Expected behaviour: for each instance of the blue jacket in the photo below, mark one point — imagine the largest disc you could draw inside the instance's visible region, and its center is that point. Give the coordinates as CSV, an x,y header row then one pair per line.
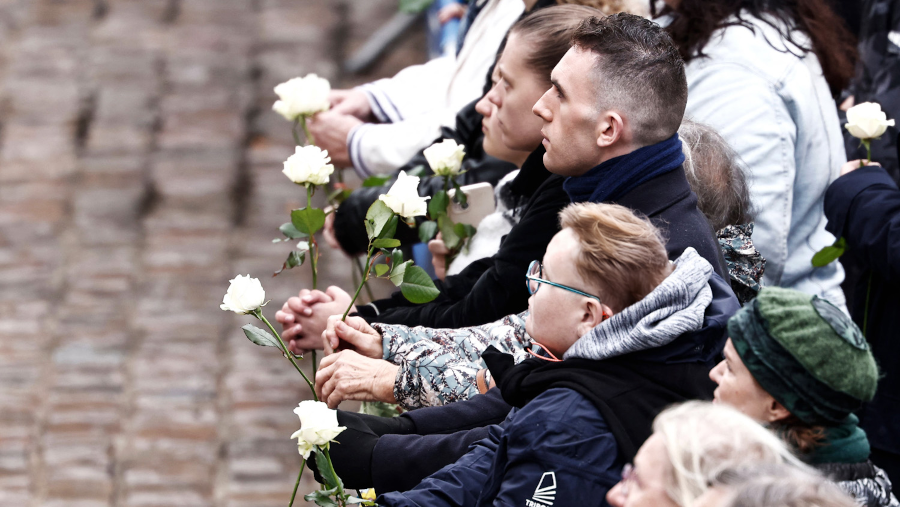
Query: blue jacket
x,y
557,450
863,207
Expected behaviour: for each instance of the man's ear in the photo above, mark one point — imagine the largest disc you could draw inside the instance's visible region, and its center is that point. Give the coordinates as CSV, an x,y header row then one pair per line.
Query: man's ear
x,y
775,411
610,129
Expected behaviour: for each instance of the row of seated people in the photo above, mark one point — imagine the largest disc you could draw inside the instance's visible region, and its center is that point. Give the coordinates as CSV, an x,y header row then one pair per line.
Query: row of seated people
x,y
630,311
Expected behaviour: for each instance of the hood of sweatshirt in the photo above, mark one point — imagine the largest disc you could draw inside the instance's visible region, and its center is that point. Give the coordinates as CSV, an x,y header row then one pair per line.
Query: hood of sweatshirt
x,y
675,307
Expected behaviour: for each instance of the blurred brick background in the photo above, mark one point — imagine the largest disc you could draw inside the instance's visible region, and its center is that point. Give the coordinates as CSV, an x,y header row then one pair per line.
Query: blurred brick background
x,y
139,171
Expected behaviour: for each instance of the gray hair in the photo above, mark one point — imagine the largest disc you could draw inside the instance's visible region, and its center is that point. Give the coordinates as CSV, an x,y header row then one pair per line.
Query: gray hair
x,y
715,174
787,486
702,440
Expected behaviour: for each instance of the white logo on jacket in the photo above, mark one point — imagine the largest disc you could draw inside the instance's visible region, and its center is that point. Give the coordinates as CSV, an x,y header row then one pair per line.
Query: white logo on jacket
x,y
544,494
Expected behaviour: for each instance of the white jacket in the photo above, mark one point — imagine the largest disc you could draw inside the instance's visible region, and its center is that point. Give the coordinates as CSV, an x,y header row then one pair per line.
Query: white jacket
x,y
420,99
775,109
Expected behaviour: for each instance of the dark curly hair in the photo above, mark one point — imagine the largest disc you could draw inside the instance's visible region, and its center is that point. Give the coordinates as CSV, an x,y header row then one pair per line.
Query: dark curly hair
x,y
694,22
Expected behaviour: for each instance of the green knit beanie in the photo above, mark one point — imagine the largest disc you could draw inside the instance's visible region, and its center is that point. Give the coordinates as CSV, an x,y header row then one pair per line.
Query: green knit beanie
x,y
806,353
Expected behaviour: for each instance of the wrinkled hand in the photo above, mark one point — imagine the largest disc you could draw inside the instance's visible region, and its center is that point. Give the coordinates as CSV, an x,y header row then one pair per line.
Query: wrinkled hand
x,y
355,334
350,376
303,318
330,129
853,165
352,102
439,253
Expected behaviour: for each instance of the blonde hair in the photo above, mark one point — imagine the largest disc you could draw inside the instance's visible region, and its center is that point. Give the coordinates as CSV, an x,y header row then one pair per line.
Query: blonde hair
x,y
623,254
703,440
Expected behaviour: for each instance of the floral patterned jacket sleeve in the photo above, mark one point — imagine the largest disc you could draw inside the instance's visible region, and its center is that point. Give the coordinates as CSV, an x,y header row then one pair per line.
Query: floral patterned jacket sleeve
x,y
438,366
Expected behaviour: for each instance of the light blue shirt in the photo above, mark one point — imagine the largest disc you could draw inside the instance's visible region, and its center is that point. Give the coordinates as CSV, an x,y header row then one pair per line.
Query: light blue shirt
x,y
775,109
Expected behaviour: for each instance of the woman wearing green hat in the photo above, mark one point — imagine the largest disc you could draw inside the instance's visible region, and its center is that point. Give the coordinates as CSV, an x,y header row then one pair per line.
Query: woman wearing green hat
x,y
798,364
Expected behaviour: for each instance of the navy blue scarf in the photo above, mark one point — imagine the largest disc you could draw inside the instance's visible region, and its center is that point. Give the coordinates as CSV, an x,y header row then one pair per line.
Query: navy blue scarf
x,y
617,176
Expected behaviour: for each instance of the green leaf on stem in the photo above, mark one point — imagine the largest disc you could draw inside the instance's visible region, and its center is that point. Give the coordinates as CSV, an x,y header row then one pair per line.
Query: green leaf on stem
x,y
427,231
459,196
464,230
390,228
322,497
339,195
294,259
448,234
399,272
308,220
377,217
376,181
437,206
332,481
830,253
359,501
291,232
260,336
381,269
417,286
418,170
396,258
386,243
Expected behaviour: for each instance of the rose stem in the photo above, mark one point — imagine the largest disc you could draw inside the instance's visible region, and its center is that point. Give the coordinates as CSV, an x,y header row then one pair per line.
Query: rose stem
x,y
296,134
313,259
365,278
297,484
366,283
309,137
290,356
340,490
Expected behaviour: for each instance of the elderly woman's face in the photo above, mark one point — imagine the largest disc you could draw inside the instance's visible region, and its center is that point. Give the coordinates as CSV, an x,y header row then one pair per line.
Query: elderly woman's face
x,y
645,486
738,388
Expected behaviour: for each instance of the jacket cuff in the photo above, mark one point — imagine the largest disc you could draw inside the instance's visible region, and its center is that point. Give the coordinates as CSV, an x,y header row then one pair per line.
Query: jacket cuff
x,y
354,151
382,106
842,191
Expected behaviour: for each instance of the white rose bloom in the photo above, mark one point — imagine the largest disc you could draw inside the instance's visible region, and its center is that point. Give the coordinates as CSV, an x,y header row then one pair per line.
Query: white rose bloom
x,y
244,295
867,121
445,158
308,164
403,197
302,96
318,426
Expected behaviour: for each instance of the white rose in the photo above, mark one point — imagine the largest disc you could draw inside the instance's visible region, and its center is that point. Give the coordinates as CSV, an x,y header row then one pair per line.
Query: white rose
x,y
308,164
867,121
244,295
445,158
403,197
318,426
302,96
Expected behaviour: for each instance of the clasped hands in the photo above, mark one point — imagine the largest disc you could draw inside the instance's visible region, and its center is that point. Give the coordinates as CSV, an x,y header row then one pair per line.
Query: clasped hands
x,y
353,368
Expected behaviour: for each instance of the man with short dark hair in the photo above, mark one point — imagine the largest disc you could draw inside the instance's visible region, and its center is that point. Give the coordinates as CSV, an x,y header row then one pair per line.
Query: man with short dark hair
x,y
635,96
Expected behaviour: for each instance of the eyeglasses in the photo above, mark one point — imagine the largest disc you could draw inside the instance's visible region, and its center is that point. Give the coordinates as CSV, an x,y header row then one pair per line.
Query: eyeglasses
x,y
533,281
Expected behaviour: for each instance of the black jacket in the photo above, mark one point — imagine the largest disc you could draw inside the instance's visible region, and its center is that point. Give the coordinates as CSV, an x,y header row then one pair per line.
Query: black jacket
x,y
492,288
863,207
627,391
479,166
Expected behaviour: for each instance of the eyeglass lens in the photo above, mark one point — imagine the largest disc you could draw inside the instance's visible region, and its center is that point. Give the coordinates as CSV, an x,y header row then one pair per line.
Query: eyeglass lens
x,y
534,271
